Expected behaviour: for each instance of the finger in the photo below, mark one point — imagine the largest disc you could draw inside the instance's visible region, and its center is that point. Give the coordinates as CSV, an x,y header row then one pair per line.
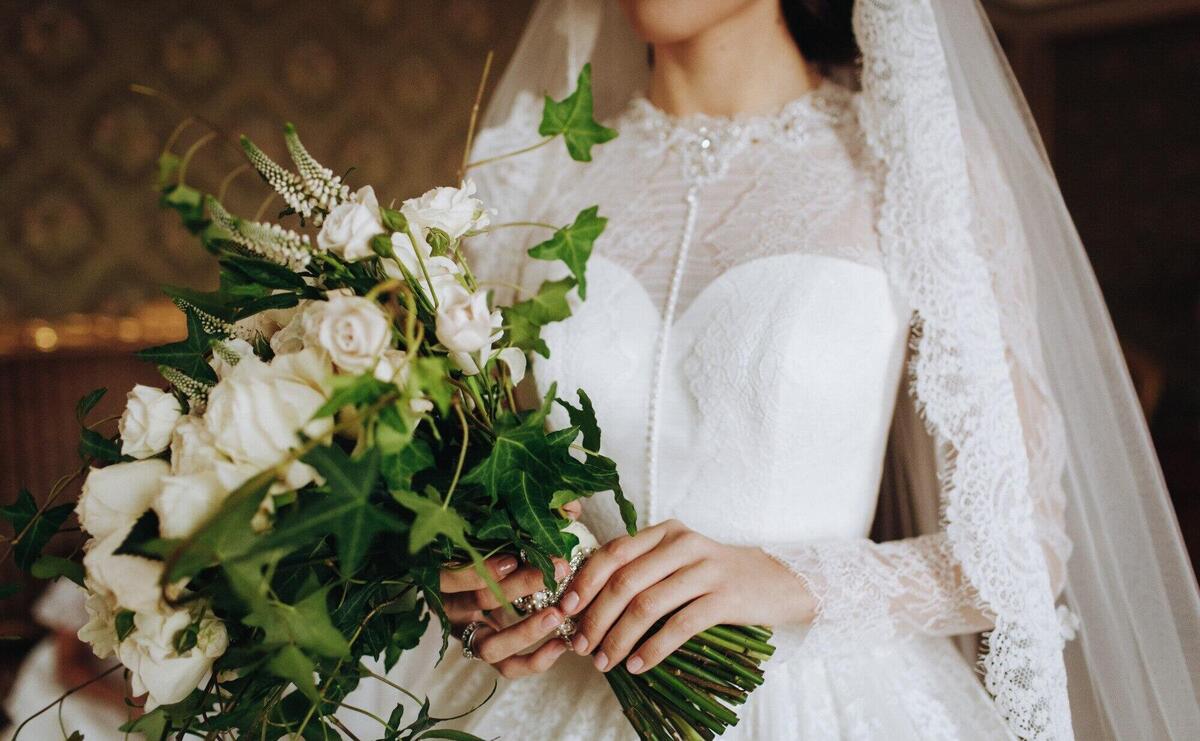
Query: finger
x,y
573,509
603,563
627,583
462,608
494,647
534,663
520,583
646,609
680,628
464,578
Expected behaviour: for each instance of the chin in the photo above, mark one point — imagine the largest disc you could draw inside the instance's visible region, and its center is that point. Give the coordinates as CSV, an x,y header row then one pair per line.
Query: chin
x,y
673,21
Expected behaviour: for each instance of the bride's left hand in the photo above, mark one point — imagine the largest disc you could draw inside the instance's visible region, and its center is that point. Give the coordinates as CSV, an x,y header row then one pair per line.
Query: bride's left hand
x,y
632,582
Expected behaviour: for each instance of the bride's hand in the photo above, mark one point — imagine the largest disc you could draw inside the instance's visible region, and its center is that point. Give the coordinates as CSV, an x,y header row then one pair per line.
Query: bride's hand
x,y
632,582
466,599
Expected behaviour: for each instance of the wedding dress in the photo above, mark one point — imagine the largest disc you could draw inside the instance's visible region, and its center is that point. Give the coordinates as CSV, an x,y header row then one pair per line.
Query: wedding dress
x,y
877,290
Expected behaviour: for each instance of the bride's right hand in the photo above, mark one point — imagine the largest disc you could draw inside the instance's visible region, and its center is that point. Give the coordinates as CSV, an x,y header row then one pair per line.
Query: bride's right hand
x,y
467,599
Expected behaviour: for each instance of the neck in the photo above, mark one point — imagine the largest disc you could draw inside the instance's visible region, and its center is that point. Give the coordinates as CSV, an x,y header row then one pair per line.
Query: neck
x,y
746,64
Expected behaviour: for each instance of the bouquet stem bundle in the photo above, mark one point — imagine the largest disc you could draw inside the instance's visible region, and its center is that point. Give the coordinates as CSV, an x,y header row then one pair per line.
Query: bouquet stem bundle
x,y
688,696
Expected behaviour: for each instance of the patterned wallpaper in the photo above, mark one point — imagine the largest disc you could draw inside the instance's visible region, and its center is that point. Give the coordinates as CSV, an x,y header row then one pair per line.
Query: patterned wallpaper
x,y
382,85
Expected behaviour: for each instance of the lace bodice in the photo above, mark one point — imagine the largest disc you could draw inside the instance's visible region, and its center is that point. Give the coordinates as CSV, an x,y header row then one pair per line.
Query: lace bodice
x,y
744,346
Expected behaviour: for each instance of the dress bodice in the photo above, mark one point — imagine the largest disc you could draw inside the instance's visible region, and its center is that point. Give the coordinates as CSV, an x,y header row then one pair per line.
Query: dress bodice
x,y
740,340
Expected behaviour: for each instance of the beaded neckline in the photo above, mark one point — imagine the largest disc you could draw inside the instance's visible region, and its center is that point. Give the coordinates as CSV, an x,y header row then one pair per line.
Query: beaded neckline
x,y
708,142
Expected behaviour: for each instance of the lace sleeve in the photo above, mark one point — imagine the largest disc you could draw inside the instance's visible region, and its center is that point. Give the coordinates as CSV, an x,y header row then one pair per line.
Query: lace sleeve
x,y
868,591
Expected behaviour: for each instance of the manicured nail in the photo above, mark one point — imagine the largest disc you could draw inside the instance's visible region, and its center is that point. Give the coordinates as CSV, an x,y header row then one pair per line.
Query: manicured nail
x,y
634,664
551,620
561,569
569,602
579,643
601,661
505,565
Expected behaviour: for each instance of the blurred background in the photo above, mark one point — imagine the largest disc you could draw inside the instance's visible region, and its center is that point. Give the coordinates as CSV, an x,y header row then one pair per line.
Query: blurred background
x,y
387,85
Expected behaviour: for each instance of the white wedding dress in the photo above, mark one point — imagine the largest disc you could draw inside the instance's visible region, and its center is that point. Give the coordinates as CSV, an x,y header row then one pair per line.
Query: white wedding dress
x,y
744,351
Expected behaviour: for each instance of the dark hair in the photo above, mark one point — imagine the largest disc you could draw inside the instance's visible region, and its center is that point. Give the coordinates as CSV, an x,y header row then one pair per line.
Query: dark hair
x,y
822,29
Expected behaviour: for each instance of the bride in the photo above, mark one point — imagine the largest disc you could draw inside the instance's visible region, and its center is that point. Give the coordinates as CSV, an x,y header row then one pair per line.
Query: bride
x,y
846,349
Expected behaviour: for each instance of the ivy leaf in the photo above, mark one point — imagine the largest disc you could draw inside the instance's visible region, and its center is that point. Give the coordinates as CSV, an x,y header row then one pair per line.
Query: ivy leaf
x,y
305,624
190,356
573,244
530,506
262,272
410,627
88,402
291,664
399,468
226,536
526,319
572,117
431,520
597,472
35,529
52,567
495,527
96,446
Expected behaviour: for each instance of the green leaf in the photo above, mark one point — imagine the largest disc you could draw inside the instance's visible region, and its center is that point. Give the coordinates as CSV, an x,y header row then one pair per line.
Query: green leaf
x,y
399,468
153,725
52,567
526,318
123,621
262,272
226,536
32,527
573,244
291,664
189,356
496,527
530,506
94,445
351,391
563,497
305,624
431,520
450,735
88,402
410,627
572,117
596,473
351,483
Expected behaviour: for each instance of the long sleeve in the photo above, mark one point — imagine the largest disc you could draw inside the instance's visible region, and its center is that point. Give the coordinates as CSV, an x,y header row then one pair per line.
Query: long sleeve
x,y
868,591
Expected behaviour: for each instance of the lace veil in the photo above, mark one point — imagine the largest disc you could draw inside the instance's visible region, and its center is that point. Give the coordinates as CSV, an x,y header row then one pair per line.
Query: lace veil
x,y
1016,369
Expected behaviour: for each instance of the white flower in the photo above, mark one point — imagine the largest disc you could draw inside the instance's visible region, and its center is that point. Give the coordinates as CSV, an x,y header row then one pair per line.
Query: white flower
x,y
186,502
231,350
265,323
291,337
132,581
467,328
454,211
100,630
392,367
150,415
350,227
514,358
587,541
192,449
114,497
354,331
255,412
443,271
155,666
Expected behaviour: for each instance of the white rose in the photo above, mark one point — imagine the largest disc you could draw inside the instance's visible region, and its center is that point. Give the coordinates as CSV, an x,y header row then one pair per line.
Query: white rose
x,y
100,630
114,497
145,426
392,367
132,581
290,337
255,412
229,354
160,671
454,211
514,358
467,328
354,331
587,541
350,227
186,502
265,323
192,449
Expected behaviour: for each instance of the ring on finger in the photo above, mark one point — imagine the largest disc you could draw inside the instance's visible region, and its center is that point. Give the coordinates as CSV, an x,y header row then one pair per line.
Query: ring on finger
x,y
468,637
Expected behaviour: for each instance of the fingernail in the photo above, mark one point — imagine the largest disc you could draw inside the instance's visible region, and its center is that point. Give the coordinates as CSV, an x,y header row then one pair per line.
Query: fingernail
x,y
634,665
580,644
505,565
570,601
550,620
561,569
601,661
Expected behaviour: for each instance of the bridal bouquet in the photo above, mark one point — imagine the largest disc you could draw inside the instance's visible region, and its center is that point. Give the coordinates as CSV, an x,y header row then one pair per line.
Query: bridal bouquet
x,y
340,424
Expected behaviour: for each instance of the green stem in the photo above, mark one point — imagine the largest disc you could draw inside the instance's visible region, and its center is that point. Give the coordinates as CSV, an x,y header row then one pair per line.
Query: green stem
x,y
654,687
740,639
462,455
703,701
506,155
